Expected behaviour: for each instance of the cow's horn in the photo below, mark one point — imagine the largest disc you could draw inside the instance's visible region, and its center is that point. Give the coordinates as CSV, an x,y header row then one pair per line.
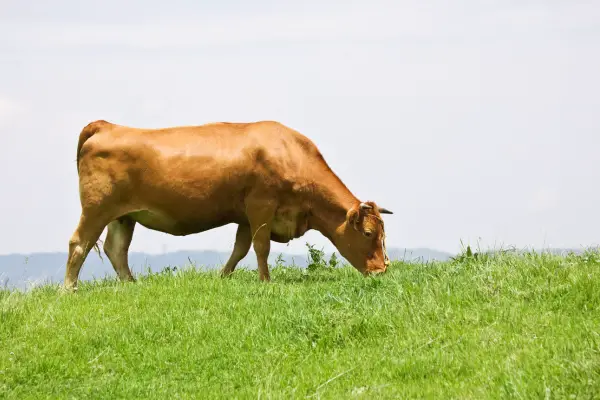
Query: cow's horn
x,y
384,211
365,206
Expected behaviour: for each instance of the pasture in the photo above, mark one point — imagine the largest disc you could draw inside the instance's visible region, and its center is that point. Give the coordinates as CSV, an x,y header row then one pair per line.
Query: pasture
x,y
503,326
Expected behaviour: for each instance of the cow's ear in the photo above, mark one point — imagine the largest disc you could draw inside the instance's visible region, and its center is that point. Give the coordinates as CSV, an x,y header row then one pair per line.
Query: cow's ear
x,y
353,216
384,211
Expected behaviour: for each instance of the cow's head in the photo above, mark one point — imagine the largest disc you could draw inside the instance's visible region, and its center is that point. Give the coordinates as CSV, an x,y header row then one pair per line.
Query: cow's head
x,y
362,240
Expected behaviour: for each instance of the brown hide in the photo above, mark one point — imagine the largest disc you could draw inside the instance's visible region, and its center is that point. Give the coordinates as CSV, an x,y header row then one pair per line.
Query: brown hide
x,y
268,179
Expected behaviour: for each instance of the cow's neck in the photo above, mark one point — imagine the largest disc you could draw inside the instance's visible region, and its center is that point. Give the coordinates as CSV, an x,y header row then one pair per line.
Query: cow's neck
x,y
330,205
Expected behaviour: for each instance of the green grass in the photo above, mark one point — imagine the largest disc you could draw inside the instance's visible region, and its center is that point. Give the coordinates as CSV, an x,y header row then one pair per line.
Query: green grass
x,y
508,326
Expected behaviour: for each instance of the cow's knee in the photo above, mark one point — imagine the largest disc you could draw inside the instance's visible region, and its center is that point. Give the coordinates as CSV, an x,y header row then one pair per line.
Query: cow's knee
x,y
76,249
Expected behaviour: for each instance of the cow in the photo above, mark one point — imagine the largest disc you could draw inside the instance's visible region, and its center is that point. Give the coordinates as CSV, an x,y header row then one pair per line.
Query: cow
x,y
267,178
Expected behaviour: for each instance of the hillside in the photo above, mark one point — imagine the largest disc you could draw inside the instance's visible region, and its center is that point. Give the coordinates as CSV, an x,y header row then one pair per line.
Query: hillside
x,y
516,326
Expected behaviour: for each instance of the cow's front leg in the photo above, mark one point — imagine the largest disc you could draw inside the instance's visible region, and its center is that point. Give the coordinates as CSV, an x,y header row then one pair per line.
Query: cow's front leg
x,y
260,216
262,248
243,241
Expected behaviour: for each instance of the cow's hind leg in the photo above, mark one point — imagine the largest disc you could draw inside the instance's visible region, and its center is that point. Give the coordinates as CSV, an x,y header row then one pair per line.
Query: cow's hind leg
x,y
116,246
243,241
83,239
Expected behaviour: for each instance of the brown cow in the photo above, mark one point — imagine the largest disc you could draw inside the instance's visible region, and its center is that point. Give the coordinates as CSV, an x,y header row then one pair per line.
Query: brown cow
x,y
267,178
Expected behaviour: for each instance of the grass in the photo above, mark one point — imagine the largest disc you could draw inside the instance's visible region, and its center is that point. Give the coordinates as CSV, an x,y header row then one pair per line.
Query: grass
x,y
480,326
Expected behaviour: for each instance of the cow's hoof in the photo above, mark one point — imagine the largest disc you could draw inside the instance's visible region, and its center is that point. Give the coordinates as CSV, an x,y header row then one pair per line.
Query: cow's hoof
x,y
67,289
225,274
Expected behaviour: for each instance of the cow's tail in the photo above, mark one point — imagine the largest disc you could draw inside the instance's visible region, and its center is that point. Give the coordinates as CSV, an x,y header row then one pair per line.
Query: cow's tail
x,y
87,132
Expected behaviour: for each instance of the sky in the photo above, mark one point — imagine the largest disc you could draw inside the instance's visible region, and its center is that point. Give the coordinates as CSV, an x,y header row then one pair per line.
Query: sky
x,y
473,121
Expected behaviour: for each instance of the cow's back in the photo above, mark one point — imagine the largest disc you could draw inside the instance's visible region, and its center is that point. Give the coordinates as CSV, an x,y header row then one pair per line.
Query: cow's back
x,y
192,171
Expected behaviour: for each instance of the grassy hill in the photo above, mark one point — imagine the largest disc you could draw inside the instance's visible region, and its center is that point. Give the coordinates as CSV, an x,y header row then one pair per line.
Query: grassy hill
x,y
480,326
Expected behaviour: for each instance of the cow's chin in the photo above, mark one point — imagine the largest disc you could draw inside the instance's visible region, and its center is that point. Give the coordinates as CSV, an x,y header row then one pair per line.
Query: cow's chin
x,y
356,262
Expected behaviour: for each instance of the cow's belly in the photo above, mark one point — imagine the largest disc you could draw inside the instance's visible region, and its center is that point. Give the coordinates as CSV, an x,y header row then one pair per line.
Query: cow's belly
x,y
180,206
162,222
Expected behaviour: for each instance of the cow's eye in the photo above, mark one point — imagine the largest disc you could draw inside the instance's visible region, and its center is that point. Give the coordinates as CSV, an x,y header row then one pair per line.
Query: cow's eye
x,y
368,234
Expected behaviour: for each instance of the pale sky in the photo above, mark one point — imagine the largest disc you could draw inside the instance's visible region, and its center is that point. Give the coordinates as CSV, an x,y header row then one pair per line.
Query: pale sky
x,y
480,119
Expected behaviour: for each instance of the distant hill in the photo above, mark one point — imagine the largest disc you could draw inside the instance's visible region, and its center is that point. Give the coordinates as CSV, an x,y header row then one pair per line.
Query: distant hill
x,y
24,270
